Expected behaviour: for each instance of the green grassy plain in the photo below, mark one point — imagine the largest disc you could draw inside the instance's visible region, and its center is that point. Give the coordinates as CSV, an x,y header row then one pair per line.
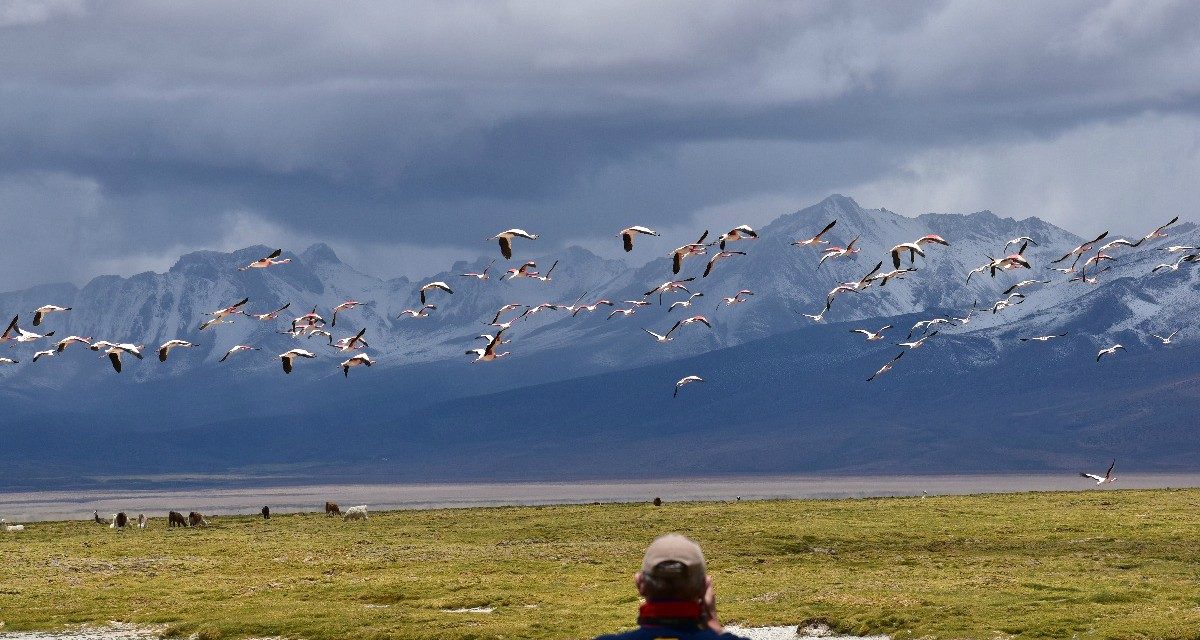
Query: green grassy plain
x,y
1093,564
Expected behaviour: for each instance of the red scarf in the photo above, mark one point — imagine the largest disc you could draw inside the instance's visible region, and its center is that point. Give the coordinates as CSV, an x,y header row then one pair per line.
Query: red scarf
x,y
669,614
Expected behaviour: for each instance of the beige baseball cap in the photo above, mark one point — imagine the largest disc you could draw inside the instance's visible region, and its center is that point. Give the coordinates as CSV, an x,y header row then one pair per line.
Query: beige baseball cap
x,y
678,548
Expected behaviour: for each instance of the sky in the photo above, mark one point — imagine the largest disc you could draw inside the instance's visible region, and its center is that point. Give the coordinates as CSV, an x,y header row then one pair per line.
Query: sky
x,y
404,133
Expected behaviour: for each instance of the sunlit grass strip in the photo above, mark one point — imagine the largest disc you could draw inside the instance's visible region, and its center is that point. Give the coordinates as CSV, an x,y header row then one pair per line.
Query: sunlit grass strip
x,y
1097,564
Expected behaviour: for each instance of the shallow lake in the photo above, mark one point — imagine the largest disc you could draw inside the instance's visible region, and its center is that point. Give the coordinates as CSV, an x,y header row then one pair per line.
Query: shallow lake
x,y
31,506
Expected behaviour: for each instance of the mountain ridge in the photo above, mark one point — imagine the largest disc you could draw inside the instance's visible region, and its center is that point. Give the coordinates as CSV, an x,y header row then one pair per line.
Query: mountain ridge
x,y
422,373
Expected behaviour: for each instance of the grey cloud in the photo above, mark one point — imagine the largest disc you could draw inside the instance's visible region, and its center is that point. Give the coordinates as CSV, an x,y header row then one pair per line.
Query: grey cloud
x,y
360,122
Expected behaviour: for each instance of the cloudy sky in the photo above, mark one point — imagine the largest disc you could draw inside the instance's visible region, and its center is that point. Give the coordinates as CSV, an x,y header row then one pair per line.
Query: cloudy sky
x,y
404,133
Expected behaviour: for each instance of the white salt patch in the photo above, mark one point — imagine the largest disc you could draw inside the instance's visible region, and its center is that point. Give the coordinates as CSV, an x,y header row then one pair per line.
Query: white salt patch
x,y
114,631
471,610
793,633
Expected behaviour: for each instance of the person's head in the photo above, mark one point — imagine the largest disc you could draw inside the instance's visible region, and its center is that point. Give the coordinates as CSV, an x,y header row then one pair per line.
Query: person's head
x,y
672,570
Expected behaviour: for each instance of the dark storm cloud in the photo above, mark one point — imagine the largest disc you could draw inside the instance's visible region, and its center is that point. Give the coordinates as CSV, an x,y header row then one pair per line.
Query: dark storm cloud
x,y
355,122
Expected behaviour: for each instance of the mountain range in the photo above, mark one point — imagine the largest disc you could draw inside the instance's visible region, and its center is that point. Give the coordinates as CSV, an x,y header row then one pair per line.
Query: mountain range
x,y
591,397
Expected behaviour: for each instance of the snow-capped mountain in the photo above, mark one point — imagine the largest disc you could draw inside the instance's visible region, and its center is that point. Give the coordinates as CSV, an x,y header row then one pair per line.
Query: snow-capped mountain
x,y
423,392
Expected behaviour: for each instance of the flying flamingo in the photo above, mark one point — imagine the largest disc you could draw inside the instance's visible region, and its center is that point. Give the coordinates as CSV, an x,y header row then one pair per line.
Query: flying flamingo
x,y
1084,279
865,281
967,319
1001,305
1024,283
872,335
574,306
114,354
1011,261
736,298
524,271
739,232
1045,338
925,325
932,238
358,360
1109,351
37,355
665,337
817,317
434,285
913,250
545,277
1081,249
1097,259
505,309
836,291
481,275
1120,242
1166,340
538,308
8,361
489,353
320,332
16,334
417,313
684,303
669,286
350,304
1172,266
627,234
310,319
720,255
697,248
915,344
887,367
1019,240
236,348
265,317
70,340
219,316
591,307
166,347
684,382
269,261
506,237
350,343
1158,233
838,252
288,358
1106,479
301,330
897,274
815,240
40,312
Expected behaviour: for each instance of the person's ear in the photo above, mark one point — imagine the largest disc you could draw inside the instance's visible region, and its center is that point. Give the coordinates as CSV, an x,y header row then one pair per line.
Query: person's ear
x,y
640,581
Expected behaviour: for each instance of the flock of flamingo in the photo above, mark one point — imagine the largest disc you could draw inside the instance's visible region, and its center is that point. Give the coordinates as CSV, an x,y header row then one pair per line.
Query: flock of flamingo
x,y
903,258
313,324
